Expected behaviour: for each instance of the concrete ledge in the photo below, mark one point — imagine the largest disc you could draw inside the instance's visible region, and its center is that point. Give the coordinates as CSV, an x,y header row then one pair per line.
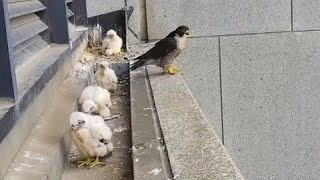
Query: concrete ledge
x,y
149,157
195,152
43,154
20,118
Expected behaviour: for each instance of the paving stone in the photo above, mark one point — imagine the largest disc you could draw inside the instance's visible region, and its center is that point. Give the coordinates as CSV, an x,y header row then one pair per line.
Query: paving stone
x,y
207,18
306,15
271,101
194,150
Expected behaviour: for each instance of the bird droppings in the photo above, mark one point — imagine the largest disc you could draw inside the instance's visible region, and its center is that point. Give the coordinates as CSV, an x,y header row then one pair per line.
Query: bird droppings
x,y
120,129
147,109
136,160
161,148
134,149
155,171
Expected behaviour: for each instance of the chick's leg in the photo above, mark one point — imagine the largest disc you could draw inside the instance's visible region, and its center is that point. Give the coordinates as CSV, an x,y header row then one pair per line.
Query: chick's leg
x,y
85,162
96,162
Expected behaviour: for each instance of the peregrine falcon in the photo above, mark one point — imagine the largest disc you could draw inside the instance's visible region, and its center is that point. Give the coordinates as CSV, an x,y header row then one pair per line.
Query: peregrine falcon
x,y
165,51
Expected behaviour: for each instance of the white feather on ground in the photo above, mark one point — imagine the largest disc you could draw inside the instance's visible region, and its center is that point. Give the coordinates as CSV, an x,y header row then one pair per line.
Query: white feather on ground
x,y
95,99
91,135
112,43
106,77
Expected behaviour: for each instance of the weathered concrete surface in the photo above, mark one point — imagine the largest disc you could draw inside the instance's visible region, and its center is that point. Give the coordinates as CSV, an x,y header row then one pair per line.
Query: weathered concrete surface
x,y
306,15
199,63
42,155
137,18
271,100
207,18
99,7
28,109
195,151
145,141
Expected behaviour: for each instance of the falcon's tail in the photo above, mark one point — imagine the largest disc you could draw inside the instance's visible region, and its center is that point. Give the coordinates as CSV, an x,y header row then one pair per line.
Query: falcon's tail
x,y
138,63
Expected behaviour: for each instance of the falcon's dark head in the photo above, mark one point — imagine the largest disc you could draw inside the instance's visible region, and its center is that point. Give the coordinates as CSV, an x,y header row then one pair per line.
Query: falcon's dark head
x,y
182,30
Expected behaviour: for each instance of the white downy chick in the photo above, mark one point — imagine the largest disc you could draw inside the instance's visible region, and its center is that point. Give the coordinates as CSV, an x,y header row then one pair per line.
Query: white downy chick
x,y
102,97
91,136
90,107
82,137
95,99
103,133
87,94
106,77
112,43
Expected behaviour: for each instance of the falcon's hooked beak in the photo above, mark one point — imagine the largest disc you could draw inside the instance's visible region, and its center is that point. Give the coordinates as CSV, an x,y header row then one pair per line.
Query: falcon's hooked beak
x,y
187,33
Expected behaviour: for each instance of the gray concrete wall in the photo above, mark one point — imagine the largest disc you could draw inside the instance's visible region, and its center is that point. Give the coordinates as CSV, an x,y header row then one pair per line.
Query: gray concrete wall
x,y
268,63
98,7
137,22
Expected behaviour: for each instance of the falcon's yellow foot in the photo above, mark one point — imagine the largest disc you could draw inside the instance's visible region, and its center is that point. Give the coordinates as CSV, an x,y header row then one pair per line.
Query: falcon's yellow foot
x,y
172,70
96,162
85,163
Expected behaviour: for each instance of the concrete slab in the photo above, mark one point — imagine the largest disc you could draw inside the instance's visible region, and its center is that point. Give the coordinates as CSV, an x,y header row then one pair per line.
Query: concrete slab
x,y
195,151
271,100
200,66
42,154
208,18
306,15
26,111
135,18
146,144
99,7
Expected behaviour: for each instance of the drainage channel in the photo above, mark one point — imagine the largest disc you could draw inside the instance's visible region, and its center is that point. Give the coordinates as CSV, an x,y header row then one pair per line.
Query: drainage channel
x,y
118,165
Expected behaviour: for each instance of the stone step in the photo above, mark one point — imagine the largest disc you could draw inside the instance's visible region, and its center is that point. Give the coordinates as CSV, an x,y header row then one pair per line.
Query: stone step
x,y
194,150
43,154
150,161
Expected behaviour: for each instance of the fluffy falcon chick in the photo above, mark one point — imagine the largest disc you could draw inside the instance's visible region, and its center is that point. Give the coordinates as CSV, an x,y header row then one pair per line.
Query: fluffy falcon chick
x,y
165,51
95,99
101,132
90,107
81,136
112,43
91,136
106,77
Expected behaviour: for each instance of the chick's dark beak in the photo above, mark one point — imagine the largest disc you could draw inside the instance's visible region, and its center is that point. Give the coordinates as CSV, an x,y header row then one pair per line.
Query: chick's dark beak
x,y
104,141
73,127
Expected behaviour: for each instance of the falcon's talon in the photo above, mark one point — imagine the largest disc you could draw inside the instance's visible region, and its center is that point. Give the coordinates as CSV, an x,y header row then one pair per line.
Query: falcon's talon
x,y
96,162
173,71
85,162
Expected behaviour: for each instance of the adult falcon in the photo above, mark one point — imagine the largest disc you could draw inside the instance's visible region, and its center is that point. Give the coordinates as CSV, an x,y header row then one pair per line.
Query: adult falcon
x,y
165,51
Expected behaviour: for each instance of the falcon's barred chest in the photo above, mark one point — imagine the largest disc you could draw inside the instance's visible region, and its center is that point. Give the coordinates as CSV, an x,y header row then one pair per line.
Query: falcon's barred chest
x,y
181,43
